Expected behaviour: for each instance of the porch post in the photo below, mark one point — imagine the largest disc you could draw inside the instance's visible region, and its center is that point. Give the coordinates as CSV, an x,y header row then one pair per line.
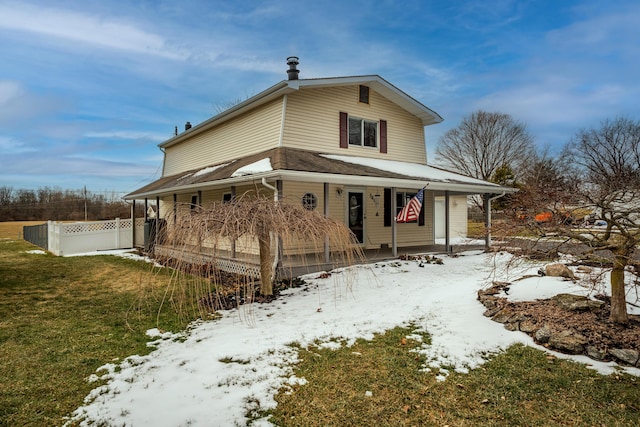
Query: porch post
x,y
146,208
394,234
233,244
155,237
175,209
487,221
133,223
326,215
280,254
447,236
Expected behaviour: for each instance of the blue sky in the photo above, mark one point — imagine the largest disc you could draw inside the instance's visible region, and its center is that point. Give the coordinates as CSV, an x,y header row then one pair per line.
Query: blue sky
x,y
89,88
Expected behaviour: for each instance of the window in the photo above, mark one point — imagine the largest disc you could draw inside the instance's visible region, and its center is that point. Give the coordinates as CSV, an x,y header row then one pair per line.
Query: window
x,y
309,201
194,202
364,94
401,201
227,197
363,132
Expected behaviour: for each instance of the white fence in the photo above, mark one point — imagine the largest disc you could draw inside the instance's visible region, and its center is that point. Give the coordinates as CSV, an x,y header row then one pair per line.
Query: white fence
x,y
79,237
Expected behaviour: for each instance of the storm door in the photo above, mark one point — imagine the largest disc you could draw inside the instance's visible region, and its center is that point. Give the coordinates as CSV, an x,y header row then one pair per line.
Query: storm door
x,y
355,213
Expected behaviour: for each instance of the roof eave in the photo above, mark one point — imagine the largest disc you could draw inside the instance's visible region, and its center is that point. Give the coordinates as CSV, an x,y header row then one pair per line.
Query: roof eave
x,y
317,177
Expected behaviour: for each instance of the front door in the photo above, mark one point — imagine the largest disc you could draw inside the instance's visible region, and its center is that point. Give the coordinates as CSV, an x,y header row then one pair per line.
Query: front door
x,y
355,213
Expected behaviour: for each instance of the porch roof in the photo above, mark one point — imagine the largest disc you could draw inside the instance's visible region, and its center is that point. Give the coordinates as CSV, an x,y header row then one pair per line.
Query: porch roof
x,y
300,165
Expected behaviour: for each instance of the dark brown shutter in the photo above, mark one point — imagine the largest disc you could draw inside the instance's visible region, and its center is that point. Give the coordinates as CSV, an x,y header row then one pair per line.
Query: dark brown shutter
x,y
344,130
387,207
383,136
422,213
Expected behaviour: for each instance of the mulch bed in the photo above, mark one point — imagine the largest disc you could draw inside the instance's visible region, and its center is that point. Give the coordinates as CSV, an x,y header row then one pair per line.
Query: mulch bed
x,y
594,325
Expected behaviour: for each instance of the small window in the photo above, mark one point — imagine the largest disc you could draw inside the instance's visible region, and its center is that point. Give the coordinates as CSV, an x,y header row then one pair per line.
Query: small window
x,y
194,202
401,201
227,197
364,94
363,132
309,201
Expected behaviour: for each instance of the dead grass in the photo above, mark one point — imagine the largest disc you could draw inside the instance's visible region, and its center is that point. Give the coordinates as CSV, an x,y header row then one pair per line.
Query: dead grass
x,y
60,319
475,230
13,229
519,387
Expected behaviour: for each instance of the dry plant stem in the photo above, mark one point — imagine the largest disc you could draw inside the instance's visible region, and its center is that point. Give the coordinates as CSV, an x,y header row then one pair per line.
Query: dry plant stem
x,y
250,231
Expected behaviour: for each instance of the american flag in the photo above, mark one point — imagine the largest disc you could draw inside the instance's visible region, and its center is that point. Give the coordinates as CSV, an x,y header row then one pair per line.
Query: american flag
x,y
411,211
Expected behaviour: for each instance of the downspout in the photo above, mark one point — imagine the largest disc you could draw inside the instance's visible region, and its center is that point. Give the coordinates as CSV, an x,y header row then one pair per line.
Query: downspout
x,y
164,159
487,220
277,241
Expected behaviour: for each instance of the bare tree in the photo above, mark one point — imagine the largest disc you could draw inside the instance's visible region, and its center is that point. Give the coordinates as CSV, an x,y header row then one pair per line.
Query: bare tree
x,y
543,187
607,162
484,142
598,175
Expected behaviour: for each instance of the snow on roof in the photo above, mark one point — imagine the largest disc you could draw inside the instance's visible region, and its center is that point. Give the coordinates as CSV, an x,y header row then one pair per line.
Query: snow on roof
x,y
263,165
416,170
209,169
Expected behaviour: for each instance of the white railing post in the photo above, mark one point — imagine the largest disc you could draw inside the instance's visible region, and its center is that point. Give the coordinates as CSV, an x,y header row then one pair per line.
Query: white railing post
x,y
50,243
117,233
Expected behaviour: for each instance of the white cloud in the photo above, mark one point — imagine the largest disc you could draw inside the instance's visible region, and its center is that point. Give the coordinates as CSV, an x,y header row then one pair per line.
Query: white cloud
x,y
18,105
128,134
12,146
9,91
77,27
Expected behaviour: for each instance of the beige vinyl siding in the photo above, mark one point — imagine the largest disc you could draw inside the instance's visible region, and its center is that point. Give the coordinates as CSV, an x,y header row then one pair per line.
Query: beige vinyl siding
x,y
457,216
253,132
410,234
312,123
458,211
292,194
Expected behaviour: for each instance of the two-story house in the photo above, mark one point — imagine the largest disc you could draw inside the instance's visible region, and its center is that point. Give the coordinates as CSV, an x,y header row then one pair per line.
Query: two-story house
x,y
351,147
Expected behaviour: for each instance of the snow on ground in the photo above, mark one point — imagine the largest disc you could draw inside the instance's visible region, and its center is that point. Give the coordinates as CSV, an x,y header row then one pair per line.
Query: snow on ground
x,y
36,252
227,367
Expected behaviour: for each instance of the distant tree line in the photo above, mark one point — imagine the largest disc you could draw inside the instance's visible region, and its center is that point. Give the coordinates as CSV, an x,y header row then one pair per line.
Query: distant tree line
x,y
56,204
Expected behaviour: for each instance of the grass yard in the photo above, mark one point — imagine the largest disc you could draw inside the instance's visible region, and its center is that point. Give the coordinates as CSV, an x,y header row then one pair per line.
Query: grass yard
x,y
521,387
60,319
475,230
13,229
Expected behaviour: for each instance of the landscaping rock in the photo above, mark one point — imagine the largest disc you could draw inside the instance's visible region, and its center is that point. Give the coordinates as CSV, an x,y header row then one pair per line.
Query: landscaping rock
x,y
594,353
543,334
628,356
502,316
569,341
491,311
577,302
527,326
559,270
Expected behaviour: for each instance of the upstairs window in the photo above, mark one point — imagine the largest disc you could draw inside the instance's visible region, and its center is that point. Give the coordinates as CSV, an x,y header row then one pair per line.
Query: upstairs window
x,y
363,132
364,94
